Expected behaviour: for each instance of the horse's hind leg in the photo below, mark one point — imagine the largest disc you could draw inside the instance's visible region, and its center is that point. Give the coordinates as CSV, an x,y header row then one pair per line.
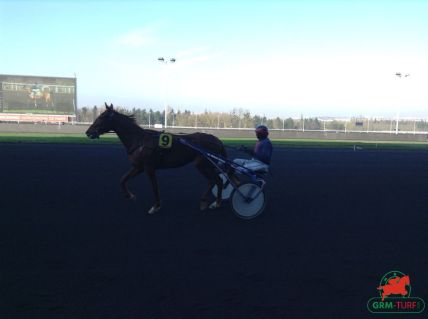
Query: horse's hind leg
x,y
153,180
219,183
206,169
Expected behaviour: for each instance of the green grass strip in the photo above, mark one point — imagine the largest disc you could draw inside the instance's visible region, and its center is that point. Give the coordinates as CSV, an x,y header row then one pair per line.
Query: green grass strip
x,y
318,143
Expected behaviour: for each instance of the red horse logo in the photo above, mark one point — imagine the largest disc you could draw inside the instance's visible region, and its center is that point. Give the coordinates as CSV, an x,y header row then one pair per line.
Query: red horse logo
x,y
395,286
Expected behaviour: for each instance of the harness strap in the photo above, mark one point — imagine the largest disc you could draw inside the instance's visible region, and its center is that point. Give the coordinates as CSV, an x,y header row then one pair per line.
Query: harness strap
x,y
132,150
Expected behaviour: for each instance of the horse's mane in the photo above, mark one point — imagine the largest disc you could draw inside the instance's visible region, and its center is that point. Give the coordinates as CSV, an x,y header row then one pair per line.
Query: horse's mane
x,y
126,118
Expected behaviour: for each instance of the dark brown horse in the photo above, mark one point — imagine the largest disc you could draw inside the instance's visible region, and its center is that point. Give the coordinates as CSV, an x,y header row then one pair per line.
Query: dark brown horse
x,y
149,150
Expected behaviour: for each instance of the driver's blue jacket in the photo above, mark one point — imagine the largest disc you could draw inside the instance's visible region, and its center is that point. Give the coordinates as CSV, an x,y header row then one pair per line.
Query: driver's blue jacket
x,y
263,150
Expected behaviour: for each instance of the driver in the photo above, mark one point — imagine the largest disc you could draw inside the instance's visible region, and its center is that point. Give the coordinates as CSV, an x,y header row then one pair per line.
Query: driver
x,y
261,153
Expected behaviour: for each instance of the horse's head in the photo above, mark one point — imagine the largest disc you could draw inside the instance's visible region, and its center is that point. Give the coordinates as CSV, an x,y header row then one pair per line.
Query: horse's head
x,y
103,123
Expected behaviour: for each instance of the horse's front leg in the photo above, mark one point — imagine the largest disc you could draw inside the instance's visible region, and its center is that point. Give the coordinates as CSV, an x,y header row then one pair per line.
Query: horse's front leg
x,y
134,171
150,171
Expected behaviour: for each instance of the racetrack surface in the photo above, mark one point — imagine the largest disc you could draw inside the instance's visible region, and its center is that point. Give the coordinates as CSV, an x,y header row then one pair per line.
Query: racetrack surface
x,y
336,221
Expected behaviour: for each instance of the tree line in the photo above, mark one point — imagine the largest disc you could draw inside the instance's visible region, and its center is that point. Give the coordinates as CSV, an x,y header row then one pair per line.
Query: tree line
x,y
237,118
240,118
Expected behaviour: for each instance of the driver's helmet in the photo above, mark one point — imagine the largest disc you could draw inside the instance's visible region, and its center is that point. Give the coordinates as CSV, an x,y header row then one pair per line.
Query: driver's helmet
x,y
262,131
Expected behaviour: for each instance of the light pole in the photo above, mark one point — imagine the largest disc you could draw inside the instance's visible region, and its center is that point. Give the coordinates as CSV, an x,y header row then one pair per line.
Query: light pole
x,y
400,76
166,61
303,123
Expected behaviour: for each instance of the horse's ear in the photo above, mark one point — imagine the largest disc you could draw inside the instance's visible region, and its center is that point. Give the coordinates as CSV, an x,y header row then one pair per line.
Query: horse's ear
x,y
109,107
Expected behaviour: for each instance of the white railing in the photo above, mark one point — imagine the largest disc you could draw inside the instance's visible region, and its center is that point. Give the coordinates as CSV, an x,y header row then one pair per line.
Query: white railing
x,y
278,129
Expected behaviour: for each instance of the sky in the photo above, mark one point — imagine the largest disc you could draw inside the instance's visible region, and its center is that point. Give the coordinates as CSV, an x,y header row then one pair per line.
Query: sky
x,y
277,58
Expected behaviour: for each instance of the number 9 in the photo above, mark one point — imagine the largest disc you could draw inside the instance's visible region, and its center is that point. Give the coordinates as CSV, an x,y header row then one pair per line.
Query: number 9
x,y
165,140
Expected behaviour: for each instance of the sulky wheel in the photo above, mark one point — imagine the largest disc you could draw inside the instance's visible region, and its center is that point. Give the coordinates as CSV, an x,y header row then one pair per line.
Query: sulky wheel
x,y
248,200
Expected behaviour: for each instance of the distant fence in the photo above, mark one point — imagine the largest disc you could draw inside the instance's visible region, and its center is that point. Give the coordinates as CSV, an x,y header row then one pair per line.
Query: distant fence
x,y
80,128
36,118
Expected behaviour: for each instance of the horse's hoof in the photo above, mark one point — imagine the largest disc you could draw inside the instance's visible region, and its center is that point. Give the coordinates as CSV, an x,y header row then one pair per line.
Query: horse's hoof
x,y
203,205
215,205
130,196
154,209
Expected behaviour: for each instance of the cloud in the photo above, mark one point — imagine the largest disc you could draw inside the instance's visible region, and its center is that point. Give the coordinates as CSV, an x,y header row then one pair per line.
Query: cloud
x,y
201,58
191,52
194,55
136,38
